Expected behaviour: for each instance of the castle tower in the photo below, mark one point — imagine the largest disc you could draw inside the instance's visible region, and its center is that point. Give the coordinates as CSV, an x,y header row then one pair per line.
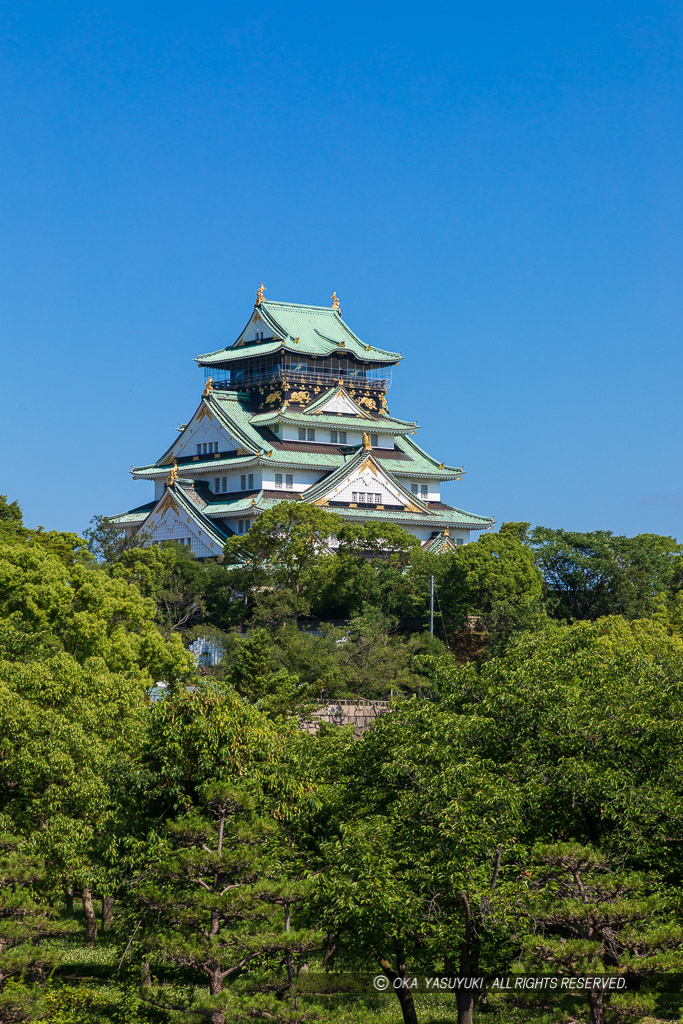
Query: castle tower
x,y
296,408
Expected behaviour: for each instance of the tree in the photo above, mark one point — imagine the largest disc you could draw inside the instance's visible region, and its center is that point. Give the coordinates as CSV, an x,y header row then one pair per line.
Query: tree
x,y
11,520
69,548
26,926
212,903
496,579
78,654
368,569
275,561
87,613
591,919
209,756
588,575
107,541
421,860
250,666
169,575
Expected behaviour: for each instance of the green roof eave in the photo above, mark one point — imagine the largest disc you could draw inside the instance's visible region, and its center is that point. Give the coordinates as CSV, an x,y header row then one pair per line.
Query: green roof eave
x,y
310,330
382,425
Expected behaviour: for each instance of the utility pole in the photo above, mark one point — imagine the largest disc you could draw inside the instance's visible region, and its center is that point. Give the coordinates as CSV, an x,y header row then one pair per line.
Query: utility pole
x,y
431,606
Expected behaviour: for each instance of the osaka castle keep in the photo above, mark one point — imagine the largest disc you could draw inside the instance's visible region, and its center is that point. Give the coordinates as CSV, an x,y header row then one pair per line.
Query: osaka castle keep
x,y
296,409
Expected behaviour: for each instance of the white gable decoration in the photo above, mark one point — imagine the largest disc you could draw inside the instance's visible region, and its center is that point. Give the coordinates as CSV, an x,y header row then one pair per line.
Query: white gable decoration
x,y
167,521
340,402
203,428
370,479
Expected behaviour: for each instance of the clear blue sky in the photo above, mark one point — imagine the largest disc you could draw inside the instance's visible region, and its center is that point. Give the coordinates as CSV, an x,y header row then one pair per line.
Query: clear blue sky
x,y
493,189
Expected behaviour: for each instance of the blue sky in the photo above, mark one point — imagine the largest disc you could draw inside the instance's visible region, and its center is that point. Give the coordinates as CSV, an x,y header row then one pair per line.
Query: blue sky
x,y
494,190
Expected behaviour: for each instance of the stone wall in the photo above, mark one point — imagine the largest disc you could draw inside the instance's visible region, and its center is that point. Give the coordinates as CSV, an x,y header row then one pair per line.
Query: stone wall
x,y
359,713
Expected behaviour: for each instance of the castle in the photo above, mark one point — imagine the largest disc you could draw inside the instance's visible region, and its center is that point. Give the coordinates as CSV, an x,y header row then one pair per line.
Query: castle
x,y
296,409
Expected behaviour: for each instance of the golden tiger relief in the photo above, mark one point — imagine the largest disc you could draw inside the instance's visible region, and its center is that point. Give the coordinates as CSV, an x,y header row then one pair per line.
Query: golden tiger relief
x,y
299,396
274,396
370,403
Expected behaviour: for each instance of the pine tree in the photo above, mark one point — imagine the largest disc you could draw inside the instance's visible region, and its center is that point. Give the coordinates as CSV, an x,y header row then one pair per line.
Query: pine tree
x,y
213,906
25,925
590,918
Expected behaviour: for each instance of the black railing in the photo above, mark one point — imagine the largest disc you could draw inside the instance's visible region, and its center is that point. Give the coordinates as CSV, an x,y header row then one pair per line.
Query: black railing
x,y
241,379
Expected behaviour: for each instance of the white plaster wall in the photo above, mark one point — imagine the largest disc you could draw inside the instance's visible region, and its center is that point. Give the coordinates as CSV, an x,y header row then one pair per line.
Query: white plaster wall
x,y
203,431
233,479
303,478
368,481
174,526
434,487
340,403
322,435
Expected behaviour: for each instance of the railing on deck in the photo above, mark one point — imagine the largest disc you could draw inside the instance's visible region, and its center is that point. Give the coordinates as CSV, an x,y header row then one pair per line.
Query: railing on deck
x,y
224,380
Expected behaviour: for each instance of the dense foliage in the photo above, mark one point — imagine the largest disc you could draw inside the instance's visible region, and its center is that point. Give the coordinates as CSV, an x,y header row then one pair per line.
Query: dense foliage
x,y
175,847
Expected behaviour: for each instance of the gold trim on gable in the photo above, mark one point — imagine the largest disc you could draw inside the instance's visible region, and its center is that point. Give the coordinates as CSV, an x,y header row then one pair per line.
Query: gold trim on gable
x,y
168,501
369,463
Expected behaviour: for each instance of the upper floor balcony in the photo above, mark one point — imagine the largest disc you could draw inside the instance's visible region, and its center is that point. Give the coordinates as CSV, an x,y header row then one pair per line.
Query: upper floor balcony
x,y
245,378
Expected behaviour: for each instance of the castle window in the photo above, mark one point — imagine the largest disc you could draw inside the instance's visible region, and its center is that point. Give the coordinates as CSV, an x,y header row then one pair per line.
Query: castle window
x,y
424,490
224,481
459,540
217,484
354,496
413,488
378,499
361,497
199,449
334,436
240,525
251,481
289,481
302,433
243,482
374,440
278,479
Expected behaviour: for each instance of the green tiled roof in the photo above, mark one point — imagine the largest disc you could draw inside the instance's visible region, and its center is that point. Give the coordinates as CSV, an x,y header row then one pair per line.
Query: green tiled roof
x,y
382,425
442,517
134,517
159,469
438,544
422,463
351,463
308,330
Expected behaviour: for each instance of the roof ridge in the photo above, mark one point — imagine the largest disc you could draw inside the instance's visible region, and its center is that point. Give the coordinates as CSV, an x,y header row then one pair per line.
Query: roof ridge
x,y
297,305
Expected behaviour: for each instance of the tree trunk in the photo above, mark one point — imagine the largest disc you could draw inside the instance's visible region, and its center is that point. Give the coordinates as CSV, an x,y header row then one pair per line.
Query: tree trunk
x,y
289,959
464,997
597,1005
215,988
90,917
69,900
107,913
146,975
398,979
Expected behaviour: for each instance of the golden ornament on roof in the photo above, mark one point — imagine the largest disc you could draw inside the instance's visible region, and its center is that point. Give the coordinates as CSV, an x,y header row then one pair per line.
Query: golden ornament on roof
x,y
208,387
366,442
173,475
335,302
259,294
